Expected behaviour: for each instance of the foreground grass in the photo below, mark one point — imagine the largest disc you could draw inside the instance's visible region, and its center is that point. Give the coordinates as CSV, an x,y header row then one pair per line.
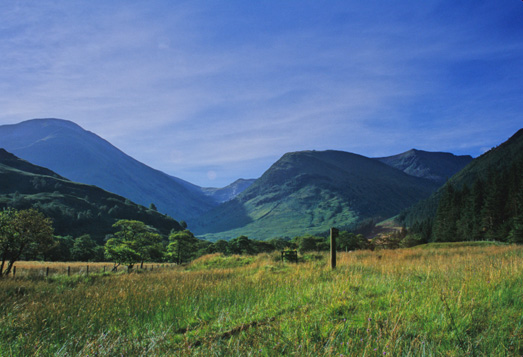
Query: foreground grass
x,y
455,302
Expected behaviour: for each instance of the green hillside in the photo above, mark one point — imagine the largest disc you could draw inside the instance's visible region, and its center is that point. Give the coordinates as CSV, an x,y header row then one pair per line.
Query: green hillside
x,y
75,208
308,192
482,201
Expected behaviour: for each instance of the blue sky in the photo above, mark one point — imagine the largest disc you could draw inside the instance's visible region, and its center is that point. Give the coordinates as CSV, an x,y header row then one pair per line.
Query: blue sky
x,y
211,91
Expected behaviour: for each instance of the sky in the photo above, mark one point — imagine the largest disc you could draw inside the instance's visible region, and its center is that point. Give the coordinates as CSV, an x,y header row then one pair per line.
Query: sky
x,y
212,91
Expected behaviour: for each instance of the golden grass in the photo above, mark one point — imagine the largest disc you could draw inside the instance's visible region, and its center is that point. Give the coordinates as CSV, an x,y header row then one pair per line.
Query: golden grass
x,y
451,302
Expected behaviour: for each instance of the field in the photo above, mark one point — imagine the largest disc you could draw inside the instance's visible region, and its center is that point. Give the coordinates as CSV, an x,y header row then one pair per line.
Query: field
x,y
433,300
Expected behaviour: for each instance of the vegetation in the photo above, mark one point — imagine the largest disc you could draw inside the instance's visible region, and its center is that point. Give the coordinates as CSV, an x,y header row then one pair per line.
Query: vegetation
x,y
75,209
419,301
21,231
134,242
490,209
484,201
311,191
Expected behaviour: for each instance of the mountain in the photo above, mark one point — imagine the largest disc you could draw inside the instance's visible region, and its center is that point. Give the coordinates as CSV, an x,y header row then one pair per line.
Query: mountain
x,y
311,191
497,159
436,166
82,156
75,208
482,201
227,193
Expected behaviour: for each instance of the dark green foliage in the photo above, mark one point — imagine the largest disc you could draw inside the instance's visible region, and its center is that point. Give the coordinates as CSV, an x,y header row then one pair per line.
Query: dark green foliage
x,y
310,243
84,249
347,241
61,250
22,232
76,209
221,246
481,202
183,246
241,245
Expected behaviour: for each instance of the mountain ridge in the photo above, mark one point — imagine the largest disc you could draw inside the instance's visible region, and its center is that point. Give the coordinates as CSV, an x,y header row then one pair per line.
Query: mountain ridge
x,y
310,191
436,166
75,208
60,145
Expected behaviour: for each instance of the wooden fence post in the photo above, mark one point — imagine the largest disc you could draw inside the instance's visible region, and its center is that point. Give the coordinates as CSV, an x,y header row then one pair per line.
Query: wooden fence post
x,y
46,272
334,234
14,271
68,271
87,270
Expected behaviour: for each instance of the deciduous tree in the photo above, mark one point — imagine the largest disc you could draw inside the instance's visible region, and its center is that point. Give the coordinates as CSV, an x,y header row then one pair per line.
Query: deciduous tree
x,y
21,232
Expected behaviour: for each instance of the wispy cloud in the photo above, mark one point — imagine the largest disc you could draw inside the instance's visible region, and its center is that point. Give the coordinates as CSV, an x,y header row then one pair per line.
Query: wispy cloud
x,y
193,87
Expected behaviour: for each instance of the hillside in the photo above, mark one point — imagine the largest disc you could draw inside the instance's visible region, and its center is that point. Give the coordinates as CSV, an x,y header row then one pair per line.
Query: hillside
x,y
482,201
310,191
75,208
82,156
436,166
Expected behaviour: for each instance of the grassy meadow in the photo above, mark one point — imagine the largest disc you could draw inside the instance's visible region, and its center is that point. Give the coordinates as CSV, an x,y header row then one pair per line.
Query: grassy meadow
x,y
434,300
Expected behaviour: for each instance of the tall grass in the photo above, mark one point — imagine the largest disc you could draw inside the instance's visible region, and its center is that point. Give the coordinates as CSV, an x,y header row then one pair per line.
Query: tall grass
x,y
459,301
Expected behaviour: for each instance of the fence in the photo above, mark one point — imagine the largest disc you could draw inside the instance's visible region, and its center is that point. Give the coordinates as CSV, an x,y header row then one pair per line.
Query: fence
x,y
29,270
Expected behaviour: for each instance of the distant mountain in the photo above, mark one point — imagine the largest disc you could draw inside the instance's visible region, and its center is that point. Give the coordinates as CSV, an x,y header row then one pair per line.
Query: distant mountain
x,y
311,191
82,156
227,193
436,166
75,208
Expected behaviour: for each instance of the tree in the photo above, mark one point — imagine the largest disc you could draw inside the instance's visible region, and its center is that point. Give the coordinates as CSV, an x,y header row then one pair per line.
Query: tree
x,y
84,248
61,250
516,235
310,243
22,232
133,243
182,246
221,246
350,241
241,245
152,206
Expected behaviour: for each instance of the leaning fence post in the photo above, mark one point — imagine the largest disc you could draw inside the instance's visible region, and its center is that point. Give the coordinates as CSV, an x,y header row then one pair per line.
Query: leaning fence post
x,y
334,233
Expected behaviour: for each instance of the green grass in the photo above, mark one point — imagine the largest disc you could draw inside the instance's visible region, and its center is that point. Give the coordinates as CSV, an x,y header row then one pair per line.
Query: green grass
x,y
446,245
412,302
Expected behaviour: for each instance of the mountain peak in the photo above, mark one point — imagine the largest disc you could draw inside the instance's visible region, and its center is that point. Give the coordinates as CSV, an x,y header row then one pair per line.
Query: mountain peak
x,y
435,166
82,156
45,122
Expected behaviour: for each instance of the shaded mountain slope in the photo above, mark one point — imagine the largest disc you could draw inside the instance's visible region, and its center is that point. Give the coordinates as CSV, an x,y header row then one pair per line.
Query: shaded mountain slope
x,y
497,160
436,166
82,156
310,191
75,208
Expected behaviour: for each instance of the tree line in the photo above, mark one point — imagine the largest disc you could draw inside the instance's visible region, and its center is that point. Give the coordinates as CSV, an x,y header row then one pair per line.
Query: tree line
x,y
29,235
491,208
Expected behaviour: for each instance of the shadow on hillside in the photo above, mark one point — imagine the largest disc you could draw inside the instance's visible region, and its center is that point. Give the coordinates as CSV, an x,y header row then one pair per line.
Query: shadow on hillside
x,y
229,215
